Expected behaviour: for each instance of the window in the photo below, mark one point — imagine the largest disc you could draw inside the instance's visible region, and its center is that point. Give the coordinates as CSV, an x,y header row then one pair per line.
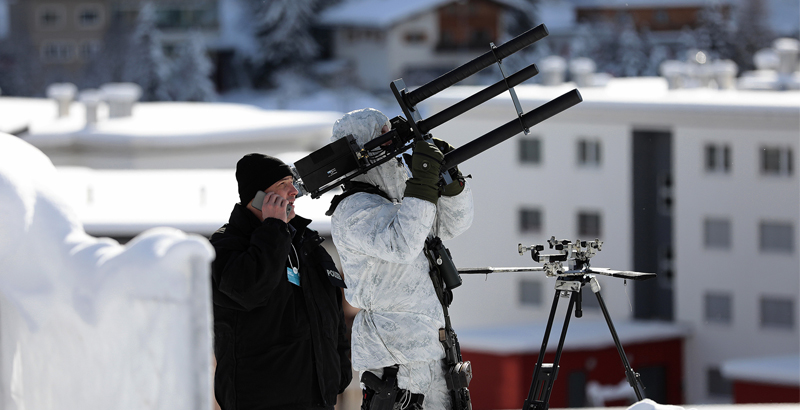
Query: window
x,y
776,161
717,384
89,16
718,158
776,237
530,220
661,16
718,308
58,51
88,49
51,16
185,16
717,233
530,292
589,225
530,150
416,37
589,153
777,313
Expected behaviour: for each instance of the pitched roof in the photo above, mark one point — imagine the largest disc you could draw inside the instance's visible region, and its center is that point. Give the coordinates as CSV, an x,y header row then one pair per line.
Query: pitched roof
x,y
384,13
633,4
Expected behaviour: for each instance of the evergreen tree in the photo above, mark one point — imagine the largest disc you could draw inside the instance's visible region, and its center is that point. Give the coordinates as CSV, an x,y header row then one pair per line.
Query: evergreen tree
x,y
21,71
522,19
630,53
146,63
108,65
713,33
603,41
656,54
751,33
282,29
191,78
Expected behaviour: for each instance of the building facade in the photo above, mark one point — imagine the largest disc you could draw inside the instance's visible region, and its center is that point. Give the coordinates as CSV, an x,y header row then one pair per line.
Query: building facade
x,y
696,185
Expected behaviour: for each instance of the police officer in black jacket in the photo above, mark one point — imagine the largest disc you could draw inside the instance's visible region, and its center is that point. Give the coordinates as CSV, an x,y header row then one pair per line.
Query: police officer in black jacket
x,y
279,331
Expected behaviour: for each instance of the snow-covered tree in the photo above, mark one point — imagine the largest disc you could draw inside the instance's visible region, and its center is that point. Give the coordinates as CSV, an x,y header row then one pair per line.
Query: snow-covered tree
x,y
282,29
752,32
630,54
713,34
522,19
602,41
146,63
21,71
108,64
191,77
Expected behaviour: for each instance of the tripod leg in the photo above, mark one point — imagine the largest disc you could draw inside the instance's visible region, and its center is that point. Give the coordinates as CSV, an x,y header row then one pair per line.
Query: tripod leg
x,y
572,300
535,391
545,375
633,377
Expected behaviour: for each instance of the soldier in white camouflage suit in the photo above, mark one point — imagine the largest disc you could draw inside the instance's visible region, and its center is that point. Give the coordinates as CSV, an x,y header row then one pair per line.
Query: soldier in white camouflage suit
x,y
380,239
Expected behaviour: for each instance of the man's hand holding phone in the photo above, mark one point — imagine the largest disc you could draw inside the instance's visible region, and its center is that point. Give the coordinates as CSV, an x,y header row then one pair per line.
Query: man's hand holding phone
x,y
272,205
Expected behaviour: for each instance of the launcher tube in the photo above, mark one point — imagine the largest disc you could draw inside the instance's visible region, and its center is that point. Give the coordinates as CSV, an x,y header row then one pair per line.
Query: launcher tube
x,y
510,129
510,47
476,99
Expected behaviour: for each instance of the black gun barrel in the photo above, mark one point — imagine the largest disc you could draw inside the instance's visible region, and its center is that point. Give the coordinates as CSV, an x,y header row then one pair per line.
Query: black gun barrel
x,y
457,74
510,129
380,140
426,125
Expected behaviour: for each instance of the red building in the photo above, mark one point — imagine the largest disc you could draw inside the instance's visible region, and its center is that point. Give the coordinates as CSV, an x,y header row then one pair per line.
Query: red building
x,y
590,373
773,379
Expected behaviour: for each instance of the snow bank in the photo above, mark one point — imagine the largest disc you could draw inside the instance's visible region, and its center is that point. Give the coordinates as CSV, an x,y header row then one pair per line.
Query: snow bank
x,y
86,323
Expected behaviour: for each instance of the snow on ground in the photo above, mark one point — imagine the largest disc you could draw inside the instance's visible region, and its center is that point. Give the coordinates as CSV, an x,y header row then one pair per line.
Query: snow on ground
x,y
86,323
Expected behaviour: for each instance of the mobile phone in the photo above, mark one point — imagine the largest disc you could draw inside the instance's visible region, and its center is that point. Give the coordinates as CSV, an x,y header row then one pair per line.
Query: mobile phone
x,y
259,199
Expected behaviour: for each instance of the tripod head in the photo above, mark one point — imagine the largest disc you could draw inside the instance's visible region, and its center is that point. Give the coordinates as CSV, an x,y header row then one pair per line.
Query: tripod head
x,y
576,253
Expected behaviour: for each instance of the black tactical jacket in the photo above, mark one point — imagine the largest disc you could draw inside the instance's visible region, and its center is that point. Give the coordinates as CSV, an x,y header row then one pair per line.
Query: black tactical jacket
x,y
276,344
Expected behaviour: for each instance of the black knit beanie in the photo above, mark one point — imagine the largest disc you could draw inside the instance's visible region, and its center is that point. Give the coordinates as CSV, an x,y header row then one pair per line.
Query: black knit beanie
x,y
257,172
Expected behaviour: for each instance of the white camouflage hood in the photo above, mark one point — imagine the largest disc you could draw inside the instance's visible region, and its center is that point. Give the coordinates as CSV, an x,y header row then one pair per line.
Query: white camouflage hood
x,y
365,125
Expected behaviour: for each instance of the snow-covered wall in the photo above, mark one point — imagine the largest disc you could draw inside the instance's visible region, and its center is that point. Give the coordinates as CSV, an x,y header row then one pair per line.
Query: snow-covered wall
x,y
86,323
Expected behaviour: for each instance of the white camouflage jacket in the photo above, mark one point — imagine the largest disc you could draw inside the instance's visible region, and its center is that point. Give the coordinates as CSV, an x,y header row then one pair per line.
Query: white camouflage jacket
x,y
380,244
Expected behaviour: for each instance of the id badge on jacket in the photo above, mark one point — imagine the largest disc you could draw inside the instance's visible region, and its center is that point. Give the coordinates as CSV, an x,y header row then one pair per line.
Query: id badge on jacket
x,y
293,275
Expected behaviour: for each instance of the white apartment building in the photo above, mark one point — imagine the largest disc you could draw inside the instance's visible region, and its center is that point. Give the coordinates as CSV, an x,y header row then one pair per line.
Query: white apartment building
x,y
697,185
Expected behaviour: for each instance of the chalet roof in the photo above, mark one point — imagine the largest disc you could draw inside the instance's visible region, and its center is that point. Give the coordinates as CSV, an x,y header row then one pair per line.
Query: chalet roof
x,y
383,14
634,4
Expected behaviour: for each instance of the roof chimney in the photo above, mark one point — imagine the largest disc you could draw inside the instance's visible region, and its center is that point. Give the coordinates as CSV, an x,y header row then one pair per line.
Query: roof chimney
x,y
787,50
553,69
581,70
121,97
63,93
91,99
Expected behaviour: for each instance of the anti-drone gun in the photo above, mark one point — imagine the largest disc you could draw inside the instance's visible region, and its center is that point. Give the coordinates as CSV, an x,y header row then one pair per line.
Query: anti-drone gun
x,y
340,161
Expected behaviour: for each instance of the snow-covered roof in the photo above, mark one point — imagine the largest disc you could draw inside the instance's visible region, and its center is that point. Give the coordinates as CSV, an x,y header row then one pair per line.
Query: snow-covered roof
x,y
124,203
632,4
643,94
383,13
582,334
784,369
165,124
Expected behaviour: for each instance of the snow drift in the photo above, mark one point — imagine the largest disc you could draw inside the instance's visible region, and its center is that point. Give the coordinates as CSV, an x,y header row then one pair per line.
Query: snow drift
x,y
87,323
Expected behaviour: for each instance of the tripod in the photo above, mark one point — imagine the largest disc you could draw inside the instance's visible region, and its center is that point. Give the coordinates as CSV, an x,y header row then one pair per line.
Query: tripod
x,y
569,283
544,375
